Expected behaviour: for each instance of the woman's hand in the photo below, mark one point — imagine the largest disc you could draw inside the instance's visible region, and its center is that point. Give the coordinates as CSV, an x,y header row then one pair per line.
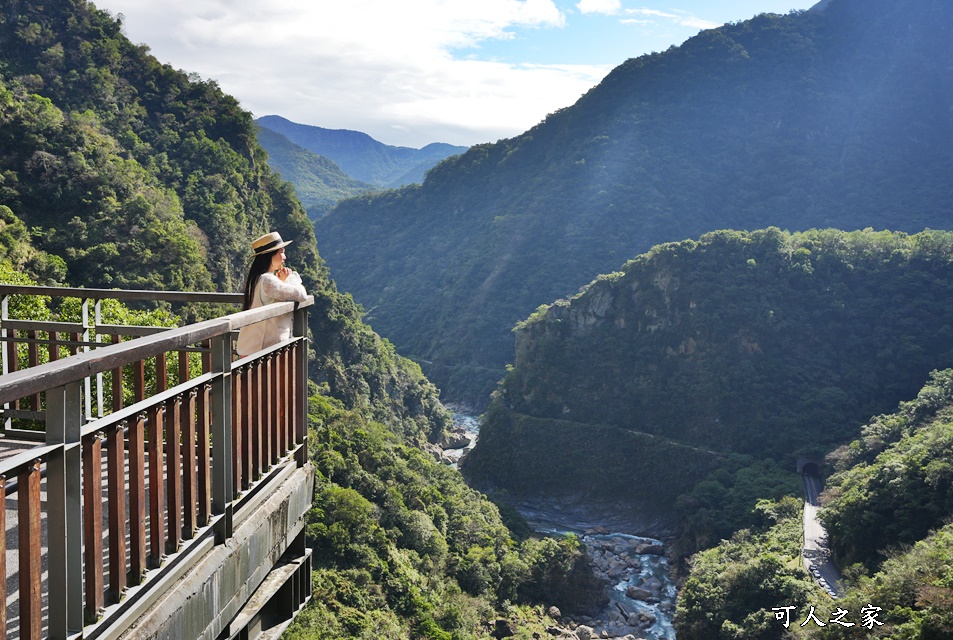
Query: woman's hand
x,y
283,273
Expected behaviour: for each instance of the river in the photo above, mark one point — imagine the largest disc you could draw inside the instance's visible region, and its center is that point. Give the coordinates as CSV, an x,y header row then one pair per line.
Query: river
x,y
642,596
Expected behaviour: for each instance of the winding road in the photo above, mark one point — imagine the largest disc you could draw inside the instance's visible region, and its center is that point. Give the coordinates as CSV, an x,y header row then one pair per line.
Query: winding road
x,y
816,552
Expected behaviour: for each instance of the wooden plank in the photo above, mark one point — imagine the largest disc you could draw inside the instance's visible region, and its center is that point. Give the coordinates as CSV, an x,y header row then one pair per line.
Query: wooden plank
x,y
255,406
117,381
33,360
206,356
173,435
30,553
279,405
54,347
189,475
129,330
41,325
263,409
137,480
93,527
119,294
237,429
274,401
162,372
184,373
116,496
13,364
46,376
137,499
156,487
204,454
300,419
287,404
243,418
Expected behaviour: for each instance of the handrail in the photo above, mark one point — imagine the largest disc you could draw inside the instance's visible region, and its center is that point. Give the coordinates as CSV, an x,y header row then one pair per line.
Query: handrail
x,y
25,382
120,294
183,458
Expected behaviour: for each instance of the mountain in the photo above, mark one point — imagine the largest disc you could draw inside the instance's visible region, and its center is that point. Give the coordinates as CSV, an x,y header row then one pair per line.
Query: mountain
x,y
361,156
319,183
117,171
838,117
887,509
688,383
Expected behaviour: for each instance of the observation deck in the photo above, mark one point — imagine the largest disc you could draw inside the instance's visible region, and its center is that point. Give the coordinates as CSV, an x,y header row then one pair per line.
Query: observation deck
x,y
156,485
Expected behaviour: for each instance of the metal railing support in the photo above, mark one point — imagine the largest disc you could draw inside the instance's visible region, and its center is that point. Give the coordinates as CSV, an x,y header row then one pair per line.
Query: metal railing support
x,y
65,512
300,408
223,490
4,316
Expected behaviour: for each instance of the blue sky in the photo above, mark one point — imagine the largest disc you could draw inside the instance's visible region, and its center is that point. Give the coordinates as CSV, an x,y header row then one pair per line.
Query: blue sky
x,y
607,32
411,72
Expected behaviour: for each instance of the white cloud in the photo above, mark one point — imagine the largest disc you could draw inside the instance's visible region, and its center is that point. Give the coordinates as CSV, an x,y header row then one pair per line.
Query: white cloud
x,y
680,18
607,7
384,67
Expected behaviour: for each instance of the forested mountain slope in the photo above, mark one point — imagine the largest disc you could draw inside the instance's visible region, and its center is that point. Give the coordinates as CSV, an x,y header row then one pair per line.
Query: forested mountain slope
x,y
839,117
701,359
319,183
119,172
887,508
361,156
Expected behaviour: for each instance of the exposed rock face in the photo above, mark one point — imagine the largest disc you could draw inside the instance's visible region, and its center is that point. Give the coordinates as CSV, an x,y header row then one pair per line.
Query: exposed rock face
x,y
455,439
504,629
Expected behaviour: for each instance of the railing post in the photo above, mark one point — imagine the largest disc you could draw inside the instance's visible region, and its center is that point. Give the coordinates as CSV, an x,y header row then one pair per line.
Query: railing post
x,y
300,408
64,407
97,322
85,337
222,490
4,316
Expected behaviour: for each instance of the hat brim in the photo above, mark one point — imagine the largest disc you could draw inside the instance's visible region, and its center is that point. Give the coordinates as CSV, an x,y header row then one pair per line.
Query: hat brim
x,y
271,249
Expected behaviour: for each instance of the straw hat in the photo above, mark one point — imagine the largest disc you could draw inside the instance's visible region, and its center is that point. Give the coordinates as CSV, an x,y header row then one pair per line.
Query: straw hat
x,y
268,243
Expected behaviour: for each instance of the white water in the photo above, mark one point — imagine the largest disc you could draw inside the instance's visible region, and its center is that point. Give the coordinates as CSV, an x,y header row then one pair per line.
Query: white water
x,y
554,520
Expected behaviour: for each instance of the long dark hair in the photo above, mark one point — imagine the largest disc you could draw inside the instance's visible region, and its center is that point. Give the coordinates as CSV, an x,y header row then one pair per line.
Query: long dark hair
x,y
259,265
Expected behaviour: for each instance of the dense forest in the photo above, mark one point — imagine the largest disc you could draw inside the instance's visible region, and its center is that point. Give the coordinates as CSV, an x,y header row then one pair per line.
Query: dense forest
x,y
319,183
684,384
888,509
119,172
835,117
106,154
706,367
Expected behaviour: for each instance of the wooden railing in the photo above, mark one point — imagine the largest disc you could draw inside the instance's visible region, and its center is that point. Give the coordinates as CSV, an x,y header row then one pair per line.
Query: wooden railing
x,y
179,460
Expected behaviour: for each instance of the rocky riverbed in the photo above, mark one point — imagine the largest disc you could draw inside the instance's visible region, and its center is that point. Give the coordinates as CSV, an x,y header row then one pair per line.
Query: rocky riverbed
x,y
641,593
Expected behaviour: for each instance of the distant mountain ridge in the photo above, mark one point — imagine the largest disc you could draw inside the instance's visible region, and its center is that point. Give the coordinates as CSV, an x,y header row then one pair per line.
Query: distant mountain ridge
x,y
838,117
362,157
319,182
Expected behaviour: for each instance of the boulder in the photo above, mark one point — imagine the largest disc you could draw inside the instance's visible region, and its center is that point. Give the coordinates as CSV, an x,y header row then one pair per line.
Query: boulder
x,y
638,593
504,629
554,613
456,439
651,549
584,633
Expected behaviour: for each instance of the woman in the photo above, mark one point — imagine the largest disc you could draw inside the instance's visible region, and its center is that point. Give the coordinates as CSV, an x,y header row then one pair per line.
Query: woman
x,y
268,281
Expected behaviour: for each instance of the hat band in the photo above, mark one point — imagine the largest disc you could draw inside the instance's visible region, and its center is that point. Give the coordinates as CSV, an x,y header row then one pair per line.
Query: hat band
x,y
266,248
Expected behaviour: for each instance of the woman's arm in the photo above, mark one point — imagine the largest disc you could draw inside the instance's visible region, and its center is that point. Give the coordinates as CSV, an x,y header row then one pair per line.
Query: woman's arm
x,y
291,289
